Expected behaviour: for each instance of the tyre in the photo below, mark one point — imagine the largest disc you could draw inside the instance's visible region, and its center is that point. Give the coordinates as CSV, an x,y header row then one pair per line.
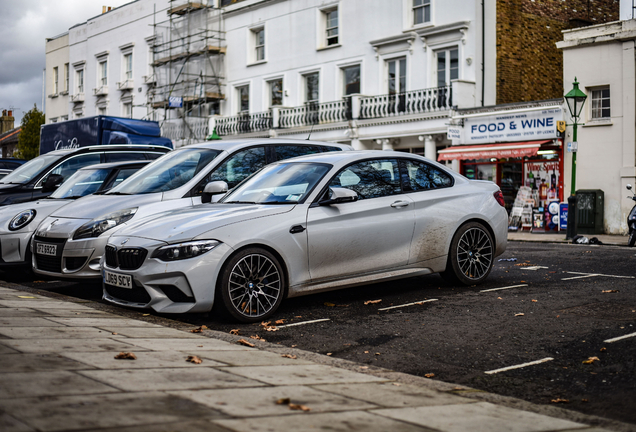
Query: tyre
x,y
471,255
252,285
632,238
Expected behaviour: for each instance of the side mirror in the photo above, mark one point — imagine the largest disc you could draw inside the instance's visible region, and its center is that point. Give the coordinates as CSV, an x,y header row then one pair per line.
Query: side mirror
x,y
629,187
213,188
52,182
339,196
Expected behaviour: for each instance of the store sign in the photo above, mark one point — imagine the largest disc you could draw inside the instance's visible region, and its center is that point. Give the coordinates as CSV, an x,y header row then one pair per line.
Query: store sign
x,y
573,147
528,126
175,102
563,216
454,133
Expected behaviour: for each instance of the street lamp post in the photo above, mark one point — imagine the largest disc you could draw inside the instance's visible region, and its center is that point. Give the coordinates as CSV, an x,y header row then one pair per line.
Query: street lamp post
x,y
575,99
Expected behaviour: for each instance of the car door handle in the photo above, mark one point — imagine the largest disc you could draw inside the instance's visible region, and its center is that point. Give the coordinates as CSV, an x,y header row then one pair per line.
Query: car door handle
x,y
399,204
296,229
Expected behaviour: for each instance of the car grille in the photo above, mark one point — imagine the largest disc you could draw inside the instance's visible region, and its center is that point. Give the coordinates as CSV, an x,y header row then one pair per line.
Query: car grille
x,y
126,258
47,263
75,263
52,240
135,295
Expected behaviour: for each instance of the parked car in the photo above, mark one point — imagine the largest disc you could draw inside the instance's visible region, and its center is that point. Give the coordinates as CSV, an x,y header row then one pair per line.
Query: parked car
x,y
80,230
19,221
39,177
9,164
310,224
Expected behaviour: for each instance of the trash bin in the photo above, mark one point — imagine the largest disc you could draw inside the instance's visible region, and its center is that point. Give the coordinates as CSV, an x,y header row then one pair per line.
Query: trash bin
x,y
590,204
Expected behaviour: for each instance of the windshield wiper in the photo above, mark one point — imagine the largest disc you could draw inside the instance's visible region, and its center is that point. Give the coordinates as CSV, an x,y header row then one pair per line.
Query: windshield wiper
x,y
118,193
239,202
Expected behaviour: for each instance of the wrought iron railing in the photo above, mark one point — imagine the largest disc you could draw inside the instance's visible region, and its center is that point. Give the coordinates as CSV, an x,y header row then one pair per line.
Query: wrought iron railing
x,y
195,128
313,113
411,102
244,123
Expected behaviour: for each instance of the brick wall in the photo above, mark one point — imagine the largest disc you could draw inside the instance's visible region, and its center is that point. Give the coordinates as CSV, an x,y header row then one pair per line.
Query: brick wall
x,y
529,66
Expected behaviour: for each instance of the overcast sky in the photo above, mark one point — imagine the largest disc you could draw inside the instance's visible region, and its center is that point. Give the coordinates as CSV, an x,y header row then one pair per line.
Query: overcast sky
x,y
24,27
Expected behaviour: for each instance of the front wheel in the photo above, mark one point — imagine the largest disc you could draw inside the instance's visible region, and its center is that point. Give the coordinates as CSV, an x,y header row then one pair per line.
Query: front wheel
x,y
252,285
471,254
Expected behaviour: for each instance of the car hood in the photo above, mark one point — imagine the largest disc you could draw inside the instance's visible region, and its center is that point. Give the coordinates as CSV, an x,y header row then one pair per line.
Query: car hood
x,y
93,206
190,223
8,187
42,208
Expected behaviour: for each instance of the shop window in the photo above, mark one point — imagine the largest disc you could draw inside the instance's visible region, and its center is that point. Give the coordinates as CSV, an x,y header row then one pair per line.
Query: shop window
x,y
601,103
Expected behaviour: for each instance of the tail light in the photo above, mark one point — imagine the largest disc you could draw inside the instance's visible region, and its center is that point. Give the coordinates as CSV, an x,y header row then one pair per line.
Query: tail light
x,y
499,197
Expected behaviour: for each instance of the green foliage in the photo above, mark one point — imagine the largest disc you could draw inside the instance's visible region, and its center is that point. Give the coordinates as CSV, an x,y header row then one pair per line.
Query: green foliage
x,y
29,139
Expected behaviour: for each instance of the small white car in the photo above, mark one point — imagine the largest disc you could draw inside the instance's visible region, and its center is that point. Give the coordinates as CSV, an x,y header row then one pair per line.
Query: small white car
x,y
70,242
309,224
18,222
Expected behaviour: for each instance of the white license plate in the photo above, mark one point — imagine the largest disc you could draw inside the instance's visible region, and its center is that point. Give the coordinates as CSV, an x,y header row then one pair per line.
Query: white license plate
x,y
46,249
118,280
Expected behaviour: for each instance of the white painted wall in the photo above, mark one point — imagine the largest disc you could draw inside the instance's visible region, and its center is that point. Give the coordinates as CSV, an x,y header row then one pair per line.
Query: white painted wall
x,y
57,55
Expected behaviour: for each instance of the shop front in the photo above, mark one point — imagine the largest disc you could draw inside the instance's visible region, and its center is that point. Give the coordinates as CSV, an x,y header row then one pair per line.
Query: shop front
x,y
520,150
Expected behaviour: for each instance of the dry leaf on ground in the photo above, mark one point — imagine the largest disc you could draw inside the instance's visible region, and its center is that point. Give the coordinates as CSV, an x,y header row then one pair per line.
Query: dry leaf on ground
x,y
591,360
299,407
609,291
199,329
235,331
559,400
364,367
115,333
256,337
290,356
603,349
429,375
283,401
534,301
126,356
520,314
246,343
368,302
271,328
330,304
194,359
279,322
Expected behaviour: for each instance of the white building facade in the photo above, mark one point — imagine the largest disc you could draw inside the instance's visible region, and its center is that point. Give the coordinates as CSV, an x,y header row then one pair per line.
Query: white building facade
x,y
603,60
57,79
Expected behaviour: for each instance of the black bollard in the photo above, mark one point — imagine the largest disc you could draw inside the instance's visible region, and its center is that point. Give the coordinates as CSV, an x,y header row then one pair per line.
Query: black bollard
x,y
571,231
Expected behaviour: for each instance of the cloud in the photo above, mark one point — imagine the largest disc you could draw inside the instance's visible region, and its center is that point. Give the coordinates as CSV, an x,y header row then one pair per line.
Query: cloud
x,y
24,27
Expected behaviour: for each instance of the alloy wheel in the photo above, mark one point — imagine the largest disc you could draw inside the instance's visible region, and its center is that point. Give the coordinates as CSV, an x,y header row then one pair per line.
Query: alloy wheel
x,y
255,286
474,253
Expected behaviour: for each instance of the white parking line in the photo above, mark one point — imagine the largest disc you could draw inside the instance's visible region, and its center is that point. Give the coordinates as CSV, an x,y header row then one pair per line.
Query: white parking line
x,y
303,323
408,304
620,337
533,268
596,274
582,277
504,288
547,359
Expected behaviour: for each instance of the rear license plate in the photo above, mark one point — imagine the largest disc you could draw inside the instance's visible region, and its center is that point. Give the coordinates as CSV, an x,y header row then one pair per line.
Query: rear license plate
x,y
46,249
118,280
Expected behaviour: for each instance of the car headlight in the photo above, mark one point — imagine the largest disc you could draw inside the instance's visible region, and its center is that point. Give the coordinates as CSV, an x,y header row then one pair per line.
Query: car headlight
x,y
22,219
97,227
185,250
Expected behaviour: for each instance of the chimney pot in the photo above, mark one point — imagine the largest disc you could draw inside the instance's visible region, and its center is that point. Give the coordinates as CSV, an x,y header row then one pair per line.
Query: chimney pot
x,y
10,113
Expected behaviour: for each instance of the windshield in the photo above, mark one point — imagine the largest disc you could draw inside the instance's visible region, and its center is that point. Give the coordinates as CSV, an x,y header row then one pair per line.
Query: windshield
x,y
31,169
287,183
83,182
168,172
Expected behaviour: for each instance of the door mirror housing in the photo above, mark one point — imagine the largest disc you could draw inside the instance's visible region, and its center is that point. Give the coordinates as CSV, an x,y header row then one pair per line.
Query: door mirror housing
x,y
213,188
340,196
52,182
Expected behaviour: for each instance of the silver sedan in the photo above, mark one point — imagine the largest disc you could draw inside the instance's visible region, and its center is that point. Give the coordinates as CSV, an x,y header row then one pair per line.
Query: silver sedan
x,y
309,224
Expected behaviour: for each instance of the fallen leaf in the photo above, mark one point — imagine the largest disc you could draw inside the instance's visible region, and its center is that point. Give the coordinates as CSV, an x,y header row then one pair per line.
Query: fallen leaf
x,y
246,343
377,353
559,400
397,384
429,375
265,323
329,354
194,359
330,304
584,400
609,291
603,349
591,360
146,315
199,329
283,401
298,407
294,346
298,316
26,297
126,356
366,352
368,302
519,314
200,346
290,356
364,367
271,328
279,322
235,331
115,333
499,298
257,338
534,301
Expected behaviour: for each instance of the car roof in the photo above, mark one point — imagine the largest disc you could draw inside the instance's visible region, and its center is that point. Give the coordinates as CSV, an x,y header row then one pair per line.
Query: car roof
x,y
236,144
109,148
351,156
111,165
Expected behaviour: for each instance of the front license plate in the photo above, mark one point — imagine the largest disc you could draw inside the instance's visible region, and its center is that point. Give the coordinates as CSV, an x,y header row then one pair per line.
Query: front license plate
x,y
46,249
118,280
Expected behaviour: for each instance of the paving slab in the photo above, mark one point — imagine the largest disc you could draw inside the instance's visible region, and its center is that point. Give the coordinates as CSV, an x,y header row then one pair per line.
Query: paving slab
x,y
251,357
41,304
182,426
334,422
6,350
48,383
38,362
301,374
394,394
151,332
170,379
99,322
177,344
15,295
54,332
20,312
26,321
10,424
90,412
64,345
478,417
256,402
76,313
145,359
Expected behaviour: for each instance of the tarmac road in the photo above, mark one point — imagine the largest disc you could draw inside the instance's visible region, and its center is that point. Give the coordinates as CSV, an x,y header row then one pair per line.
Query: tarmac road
x,y
557,304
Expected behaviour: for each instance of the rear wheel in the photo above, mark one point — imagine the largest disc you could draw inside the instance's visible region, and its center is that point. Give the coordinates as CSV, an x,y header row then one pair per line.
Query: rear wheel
x,y
471,255
252,285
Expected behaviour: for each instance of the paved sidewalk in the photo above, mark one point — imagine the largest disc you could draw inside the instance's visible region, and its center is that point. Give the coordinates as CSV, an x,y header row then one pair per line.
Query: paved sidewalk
x,y
559,237
58,372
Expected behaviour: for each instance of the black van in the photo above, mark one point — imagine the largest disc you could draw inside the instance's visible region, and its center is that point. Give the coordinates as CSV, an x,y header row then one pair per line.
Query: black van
x,y
39,177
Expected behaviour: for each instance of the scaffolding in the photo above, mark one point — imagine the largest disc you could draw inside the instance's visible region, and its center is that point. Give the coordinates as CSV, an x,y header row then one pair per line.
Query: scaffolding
x,y
188,55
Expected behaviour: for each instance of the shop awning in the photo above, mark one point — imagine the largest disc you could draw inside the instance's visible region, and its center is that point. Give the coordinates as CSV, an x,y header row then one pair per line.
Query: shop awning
x,y
487,151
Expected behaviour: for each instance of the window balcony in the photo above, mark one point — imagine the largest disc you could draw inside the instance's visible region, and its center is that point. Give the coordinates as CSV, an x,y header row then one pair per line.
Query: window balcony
x,y
149,79
100,91
126,85
77,97
244,123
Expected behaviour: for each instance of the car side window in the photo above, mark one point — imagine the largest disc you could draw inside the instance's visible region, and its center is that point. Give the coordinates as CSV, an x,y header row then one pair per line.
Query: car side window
x,y
236,168
370,179
290,151
119,157
122,175
70,165
422,176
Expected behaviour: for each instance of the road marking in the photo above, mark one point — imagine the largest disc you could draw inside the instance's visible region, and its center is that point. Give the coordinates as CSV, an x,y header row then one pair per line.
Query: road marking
x,y
533,268
547,359
408,304
303,323
620,337
596,274
504,288
582,277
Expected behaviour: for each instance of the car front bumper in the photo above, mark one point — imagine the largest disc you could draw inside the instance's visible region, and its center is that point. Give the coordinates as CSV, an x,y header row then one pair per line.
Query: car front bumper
x,y
14,248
